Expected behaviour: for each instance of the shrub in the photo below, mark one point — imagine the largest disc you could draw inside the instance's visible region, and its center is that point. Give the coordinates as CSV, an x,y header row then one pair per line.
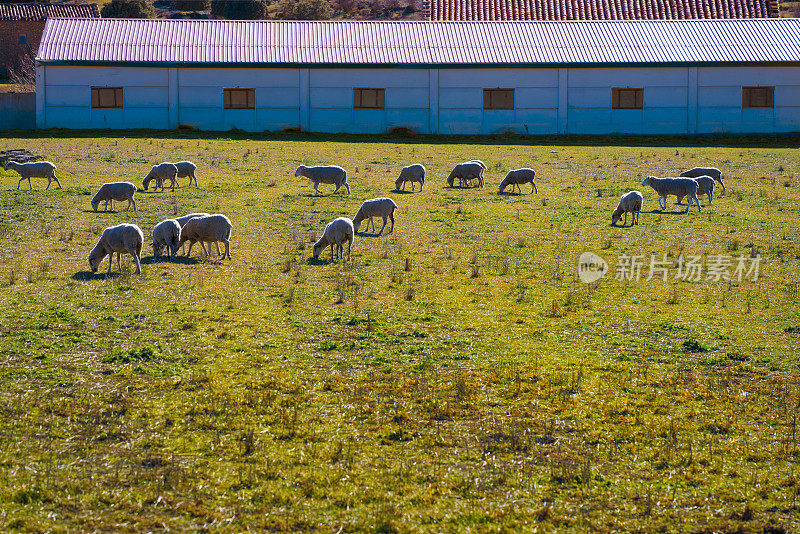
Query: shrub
x,y
240,9
692,345
306,10
128,9
191,5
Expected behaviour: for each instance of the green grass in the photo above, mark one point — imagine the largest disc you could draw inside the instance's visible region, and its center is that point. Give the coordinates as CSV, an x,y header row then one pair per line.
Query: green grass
x,y
455,376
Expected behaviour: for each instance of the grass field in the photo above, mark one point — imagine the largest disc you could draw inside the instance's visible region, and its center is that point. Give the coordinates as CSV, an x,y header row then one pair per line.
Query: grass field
x,y
455,376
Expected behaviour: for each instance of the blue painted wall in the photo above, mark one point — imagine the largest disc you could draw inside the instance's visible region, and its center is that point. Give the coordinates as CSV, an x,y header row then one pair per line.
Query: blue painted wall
x,y
679,100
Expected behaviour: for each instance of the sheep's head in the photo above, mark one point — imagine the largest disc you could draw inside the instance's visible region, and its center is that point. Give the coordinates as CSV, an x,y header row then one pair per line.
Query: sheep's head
x,y
95,257
648,180
616,216
451,178
157,247
299,171
7,165
398,182
95,203
319,246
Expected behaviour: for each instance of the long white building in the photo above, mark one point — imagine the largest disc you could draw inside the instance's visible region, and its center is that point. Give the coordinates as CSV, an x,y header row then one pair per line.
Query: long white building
x,y
583,77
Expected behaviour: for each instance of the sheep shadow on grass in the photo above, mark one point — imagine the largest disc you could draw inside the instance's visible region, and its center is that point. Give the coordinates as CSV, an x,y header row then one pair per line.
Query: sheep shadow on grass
x,y
404,191
180,260
87,276
664,212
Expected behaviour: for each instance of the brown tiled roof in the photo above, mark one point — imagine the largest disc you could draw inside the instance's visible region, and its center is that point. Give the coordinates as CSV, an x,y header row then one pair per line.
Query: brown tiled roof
x,y
551,10
45,11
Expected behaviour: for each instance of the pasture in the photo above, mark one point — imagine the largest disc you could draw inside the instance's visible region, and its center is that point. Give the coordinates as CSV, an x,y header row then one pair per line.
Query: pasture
x,y
455,376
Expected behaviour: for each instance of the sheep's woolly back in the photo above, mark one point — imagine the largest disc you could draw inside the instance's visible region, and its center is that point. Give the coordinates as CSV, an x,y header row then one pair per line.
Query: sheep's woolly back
x,y
375,207
120,238
336,232
518,177
113,191
696,172
467,171
186,218
185,168
412,173
215,227
323,173
672,186
34,169
167,233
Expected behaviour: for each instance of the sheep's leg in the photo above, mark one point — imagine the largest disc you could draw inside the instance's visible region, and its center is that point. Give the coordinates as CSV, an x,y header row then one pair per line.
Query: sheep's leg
x,y
227,249
625,222
382,227
533,187
189,250
391,216
680,199
203,246
316,188
331,252
218,252
347,186
56,179
110,262
20,182
696,201
119,258
710,195
338,186
174,183
134,203
135,260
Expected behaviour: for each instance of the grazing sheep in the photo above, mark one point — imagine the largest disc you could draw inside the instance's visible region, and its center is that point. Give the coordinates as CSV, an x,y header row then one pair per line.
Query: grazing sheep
x,y
629,202
114,191
186,168
681,187
713,172
208,229
518,177
705,186
336,233
412,173
329,174
375,207
121,238
36,169
467,171
160,173
166,234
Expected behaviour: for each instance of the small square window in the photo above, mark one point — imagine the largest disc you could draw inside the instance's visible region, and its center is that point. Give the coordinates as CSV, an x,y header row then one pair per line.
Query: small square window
x,y
368,98
498,99
758,97
627,98
239,99
23,39
106,97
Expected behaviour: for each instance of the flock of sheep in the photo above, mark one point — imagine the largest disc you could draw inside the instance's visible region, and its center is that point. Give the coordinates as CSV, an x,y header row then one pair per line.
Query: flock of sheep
x,y
172,234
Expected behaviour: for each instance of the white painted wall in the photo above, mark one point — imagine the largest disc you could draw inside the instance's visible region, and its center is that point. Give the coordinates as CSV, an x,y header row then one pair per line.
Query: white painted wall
x,y
677,100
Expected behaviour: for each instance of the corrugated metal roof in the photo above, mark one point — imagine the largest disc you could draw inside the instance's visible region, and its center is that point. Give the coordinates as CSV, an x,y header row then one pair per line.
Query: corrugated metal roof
x,y
489,10
41,12
160,41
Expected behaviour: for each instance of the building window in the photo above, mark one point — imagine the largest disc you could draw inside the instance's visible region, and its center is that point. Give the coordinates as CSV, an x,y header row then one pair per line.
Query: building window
x,y
627,98
23,39
239,99
758,97
106,97
368,98
498,99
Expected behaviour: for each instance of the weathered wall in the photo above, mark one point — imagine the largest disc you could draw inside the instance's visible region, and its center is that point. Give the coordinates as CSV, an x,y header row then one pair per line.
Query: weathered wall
x,y
677,100
17,111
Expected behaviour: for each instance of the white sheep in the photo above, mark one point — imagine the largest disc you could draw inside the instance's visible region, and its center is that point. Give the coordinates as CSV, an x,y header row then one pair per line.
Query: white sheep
x,y
112,191
629,202
35,169
713,172
208,229
467,171
160,173
186,168
327,174
376,207
681,187
336,233
121,238
705,186
516,178
167,234
412,173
